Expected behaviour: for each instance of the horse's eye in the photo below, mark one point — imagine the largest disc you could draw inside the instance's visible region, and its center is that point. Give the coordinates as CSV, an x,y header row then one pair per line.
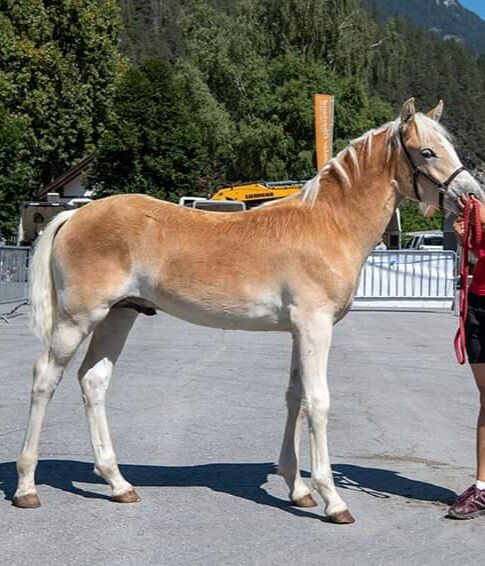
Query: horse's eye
x,y
428,153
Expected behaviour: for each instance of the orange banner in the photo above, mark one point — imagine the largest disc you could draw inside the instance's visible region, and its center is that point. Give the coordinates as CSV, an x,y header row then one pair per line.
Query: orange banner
x,y
323,110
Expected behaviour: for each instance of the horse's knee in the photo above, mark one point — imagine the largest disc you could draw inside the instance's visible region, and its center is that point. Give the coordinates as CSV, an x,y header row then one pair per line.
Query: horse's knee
x,y
94,382
316,408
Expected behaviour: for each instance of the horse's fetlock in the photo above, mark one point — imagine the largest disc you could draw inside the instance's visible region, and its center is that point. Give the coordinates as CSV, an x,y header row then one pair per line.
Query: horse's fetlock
x,y
105,467
321,481
25,462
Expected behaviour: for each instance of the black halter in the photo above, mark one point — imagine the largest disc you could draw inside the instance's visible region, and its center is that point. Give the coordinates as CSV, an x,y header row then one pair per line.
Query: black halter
x,y
417,172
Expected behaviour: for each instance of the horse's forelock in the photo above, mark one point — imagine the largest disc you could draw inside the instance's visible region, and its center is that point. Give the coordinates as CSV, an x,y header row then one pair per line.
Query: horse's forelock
x,y
428,128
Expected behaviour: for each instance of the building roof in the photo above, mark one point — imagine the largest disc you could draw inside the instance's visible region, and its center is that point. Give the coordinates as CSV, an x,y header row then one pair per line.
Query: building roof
x,y
68,176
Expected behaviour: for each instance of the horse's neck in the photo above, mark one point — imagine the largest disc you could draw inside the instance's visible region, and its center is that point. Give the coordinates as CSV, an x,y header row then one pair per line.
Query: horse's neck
x,y
362,208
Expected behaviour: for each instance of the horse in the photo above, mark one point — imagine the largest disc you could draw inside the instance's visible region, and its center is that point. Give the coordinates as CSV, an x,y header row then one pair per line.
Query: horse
x,y
292,265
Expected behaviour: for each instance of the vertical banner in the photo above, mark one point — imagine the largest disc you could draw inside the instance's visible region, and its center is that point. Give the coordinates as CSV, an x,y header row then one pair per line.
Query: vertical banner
x,y
323,110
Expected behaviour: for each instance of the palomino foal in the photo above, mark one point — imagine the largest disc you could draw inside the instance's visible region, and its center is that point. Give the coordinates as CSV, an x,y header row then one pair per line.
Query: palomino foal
x,y
291,266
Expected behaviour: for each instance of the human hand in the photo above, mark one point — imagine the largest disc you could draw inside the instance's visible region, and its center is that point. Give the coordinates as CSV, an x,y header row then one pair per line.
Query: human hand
x,y
459,228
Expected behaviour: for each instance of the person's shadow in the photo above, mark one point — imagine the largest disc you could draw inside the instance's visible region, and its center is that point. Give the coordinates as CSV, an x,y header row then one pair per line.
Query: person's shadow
x,y
239,480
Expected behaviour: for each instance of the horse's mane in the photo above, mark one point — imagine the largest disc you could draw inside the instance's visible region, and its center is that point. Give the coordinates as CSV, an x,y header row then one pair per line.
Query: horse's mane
x,y
339,165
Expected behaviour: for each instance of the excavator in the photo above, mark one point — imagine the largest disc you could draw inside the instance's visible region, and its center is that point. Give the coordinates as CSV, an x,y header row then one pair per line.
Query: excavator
x,y
256,193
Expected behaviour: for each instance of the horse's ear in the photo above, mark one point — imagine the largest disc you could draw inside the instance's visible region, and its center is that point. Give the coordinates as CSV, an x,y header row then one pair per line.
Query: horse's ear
x,y
408,111
435,113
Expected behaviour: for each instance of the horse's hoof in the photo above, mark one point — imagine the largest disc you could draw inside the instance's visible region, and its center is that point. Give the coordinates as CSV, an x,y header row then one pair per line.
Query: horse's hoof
x,y
28,501
305,501
341,518
129,497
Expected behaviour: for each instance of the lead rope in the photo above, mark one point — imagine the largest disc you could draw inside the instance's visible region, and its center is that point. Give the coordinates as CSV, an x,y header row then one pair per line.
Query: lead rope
x,y
471,239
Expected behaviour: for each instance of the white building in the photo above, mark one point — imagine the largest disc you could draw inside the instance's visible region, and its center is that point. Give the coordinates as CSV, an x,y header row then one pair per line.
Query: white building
x,y
64,192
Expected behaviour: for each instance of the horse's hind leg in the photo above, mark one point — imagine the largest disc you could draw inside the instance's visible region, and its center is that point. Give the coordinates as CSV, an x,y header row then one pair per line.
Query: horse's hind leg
x,y
94,375
288,465
48,372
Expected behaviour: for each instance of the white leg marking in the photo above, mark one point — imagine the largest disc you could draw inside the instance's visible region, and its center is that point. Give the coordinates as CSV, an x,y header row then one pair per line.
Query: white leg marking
x,y
48,372
288,465
94,377
314,333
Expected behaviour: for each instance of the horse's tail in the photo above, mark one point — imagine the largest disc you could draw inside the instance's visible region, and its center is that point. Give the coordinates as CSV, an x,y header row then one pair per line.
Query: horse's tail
x,y
43,298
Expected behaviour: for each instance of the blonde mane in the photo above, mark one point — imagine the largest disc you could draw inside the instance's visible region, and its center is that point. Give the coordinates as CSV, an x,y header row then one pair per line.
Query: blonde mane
x,y
338,164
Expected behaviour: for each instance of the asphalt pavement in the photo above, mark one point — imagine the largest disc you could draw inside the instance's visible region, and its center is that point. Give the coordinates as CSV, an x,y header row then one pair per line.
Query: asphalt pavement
x,y
197,419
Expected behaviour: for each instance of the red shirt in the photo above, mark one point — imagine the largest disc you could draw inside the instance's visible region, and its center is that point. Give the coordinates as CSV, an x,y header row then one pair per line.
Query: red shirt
x,y
478,284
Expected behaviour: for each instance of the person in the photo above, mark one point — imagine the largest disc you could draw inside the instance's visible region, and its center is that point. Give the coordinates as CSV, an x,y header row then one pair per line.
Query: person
x,y
471,503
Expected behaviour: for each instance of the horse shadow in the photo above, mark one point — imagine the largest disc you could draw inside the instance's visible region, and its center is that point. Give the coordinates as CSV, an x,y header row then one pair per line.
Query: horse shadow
x,y
244,480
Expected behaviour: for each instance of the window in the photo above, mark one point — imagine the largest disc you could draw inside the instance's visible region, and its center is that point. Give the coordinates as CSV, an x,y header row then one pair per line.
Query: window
x,y
433,241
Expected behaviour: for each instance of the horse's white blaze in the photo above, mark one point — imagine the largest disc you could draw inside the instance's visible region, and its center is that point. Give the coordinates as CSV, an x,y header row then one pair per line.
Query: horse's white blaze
x,y
292,265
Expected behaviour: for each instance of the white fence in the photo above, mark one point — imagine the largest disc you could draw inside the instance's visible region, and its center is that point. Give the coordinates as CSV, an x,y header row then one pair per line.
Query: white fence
x,y
14,271
408,280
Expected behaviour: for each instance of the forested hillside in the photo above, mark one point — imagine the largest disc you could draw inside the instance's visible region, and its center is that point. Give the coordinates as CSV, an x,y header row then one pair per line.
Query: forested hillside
x,y
208,92
243,81
447,18
392,61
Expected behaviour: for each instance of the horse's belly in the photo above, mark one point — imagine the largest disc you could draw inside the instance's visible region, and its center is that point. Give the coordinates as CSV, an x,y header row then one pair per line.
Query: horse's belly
x,y
251,316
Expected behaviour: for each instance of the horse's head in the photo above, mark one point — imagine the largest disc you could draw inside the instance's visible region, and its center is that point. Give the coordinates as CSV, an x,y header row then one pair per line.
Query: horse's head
x,y
431,170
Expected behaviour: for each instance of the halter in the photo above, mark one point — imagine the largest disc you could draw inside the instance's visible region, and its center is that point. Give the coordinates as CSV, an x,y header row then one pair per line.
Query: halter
x,y
417,172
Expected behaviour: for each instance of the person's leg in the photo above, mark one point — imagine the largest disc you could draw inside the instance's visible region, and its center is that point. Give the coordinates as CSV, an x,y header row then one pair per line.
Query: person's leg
x,y
471,503
479,375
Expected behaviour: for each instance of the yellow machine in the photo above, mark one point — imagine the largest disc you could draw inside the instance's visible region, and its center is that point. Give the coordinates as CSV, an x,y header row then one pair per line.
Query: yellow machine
x,y
254,194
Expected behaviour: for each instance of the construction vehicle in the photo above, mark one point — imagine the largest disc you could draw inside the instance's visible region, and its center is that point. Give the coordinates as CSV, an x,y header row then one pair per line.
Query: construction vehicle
x,y
256,193
243,196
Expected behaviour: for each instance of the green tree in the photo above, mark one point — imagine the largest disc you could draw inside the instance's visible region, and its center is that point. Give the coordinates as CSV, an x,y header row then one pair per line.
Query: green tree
x,y
413,220
449,71
152,145
58,63
261,70
15,170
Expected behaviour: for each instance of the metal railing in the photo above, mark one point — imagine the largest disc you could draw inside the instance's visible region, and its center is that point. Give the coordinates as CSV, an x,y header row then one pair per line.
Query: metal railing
x,y
409,279
14,273
389,279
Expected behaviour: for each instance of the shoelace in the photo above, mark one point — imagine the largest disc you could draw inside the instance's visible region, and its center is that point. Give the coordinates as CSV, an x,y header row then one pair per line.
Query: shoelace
x,y
471,239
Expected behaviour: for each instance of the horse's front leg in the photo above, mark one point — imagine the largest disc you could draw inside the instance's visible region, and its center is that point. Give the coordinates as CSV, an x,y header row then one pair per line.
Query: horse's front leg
x,y
313,331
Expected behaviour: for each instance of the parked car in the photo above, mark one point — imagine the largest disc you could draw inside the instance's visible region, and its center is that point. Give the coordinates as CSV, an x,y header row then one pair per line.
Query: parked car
x,y
431,241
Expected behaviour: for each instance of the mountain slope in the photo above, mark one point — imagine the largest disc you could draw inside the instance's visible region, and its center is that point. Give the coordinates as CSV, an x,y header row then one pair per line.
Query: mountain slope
x,y
448,18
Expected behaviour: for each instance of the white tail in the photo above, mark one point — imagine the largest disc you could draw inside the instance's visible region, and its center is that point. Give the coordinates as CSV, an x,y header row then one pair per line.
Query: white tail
x,y
43,297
